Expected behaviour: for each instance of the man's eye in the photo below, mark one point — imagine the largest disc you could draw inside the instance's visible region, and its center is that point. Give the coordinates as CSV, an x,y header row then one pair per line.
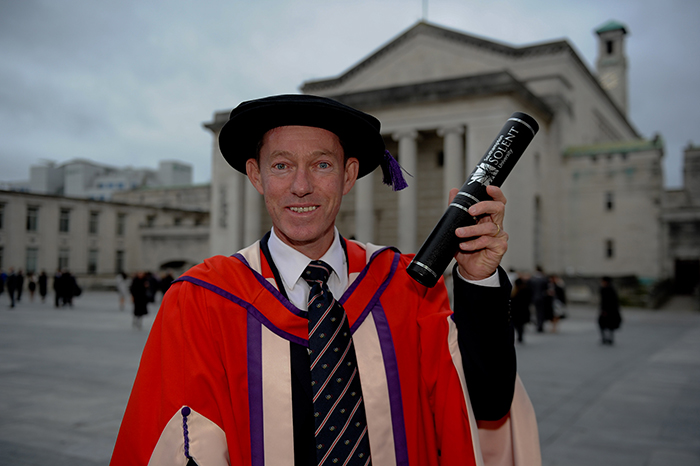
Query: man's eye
x,y
324,165
279,166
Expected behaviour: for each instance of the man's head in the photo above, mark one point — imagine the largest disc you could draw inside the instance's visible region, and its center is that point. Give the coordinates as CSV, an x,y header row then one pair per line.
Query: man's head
x,y
303,153
303,174
359,132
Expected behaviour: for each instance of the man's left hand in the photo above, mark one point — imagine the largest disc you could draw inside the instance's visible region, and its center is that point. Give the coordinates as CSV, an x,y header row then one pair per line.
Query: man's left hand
x,y
479,257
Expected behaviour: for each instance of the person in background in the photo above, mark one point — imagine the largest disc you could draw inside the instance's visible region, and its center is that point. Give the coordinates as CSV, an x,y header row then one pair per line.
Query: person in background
x,y
43,285
20,284
57,288
140,297
11,285
31,286
166,281
609,318
520,301
539,284
69,288
122,282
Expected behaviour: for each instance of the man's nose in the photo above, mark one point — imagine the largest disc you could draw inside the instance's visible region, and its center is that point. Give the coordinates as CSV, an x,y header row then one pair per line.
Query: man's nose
x,y
302,183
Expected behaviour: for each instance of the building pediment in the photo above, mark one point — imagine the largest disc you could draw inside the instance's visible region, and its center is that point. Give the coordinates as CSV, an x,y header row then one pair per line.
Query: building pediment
x,y
488,84
427,52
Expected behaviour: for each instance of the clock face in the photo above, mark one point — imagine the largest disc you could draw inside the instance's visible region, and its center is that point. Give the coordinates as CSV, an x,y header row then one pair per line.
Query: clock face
x,y
609,80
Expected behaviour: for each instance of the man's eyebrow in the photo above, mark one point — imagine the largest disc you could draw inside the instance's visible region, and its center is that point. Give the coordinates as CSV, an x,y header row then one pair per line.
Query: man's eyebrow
x,y
316,153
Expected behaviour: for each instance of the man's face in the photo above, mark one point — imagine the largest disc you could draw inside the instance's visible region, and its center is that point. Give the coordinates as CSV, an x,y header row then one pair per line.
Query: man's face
x,y
303,177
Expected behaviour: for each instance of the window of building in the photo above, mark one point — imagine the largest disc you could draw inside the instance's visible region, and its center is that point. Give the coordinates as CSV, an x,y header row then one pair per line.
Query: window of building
x,y
93,222
32,218
177,221
609,47
609,248
119,262
92,261
609,201
31,260
63,255
150,220
2,215
2,256
64,221
121,224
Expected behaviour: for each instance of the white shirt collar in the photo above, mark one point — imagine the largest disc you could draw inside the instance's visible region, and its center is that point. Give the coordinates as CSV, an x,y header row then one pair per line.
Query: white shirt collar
x,y
291,263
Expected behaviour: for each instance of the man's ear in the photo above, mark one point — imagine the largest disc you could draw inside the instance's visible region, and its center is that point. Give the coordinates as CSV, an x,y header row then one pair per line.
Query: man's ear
x,y
253,171
352,168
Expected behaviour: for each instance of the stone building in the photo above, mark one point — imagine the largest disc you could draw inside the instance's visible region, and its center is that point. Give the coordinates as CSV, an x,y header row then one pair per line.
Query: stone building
x,y
583,199
95,239
191,197
87,179
681,227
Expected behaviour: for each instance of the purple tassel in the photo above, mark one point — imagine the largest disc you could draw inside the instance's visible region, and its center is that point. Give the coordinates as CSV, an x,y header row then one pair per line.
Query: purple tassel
x,y
391,170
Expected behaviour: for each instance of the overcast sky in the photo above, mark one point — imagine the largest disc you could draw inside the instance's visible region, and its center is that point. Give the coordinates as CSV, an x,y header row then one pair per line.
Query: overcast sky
x,y
130,82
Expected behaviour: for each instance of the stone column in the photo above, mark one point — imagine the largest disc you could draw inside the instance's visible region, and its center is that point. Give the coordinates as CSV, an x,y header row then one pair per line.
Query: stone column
x,y
453,150
364,209
473,154
251,216
227,213
408,198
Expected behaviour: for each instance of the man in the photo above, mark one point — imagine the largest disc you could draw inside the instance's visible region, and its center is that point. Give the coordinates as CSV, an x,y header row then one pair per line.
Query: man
x,y
236,369
539,285
12,285
609,317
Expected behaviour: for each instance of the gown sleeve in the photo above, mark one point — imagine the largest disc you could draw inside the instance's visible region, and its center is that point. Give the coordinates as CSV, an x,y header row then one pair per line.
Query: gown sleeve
x,y
486,341
175,410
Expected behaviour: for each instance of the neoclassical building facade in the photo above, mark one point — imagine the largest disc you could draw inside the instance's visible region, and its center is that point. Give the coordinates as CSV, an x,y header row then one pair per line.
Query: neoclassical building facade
x,y
97,239
583,200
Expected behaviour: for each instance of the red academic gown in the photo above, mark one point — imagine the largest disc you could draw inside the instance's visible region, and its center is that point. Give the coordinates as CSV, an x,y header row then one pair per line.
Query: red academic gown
x,y
214,380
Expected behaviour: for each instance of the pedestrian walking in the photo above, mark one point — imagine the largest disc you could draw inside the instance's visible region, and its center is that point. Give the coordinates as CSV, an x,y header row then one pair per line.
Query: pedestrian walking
x,y
609,318
20,284
140,297
11,285
539,284
69,288
31,286
43,279
122,281
57,288
166,281
520,301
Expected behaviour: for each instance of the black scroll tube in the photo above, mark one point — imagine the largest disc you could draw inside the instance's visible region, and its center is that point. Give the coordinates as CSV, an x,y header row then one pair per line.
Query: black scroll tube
x,y
442,244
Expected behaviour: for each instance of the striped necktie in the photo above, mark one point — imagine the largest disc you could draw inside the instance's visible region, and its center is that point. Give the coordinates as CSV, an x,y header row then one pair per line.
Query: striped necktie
x,y
339,411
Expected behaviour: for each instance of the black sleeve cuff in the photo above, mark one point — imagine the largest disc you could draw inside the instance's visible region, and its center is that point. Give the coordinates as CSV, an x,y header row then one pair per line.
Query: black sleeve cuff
x,y
485,335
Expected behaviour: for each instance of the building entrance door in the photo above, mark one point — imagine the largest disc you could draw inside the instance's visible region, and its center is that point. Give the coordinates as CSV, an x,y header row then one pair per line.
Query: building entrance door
x,y
687,275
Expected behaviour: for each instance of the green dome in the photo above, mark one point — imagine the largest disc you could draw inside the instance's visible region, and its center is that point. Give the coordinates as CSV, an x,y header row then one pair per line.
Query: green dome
x,y
611,25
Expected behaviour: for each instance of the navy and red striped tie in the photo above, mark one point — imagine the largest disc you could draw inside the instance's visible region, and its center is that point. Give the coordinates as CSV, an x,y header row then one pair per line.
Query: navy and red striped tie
x,y
339,411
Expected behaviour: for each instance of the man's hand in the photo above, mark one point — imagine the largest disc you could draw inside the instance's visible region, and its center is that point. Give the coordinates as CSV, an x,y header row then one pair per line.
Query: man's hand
x,y
479,258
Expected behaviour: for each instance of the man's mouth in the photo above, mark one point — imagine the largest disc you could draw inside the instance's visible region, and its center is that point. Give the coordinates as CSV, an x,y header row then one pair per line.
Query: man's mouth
x,y
303,209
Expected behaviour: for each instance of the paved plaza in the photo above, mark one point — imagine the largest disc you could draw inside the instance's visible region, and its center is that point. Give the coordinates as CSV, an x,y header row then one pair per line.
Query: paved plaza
x,y
65,376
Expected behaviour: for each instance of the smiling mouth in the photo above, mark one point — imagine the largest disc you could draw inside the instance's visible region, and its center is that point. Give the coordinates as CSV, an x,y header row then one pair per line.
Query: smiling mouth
x,y
303,209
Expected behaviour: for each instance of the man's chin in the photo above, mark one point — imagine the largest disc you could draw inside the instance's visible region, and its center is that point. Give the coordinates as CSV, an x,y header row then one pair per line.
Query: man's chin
x,y
301,237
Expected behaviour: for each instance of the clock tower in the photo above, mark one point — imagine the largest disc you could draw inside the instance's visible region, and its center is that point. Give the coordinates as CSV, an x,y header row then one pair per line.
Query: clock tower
x,y
612,62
